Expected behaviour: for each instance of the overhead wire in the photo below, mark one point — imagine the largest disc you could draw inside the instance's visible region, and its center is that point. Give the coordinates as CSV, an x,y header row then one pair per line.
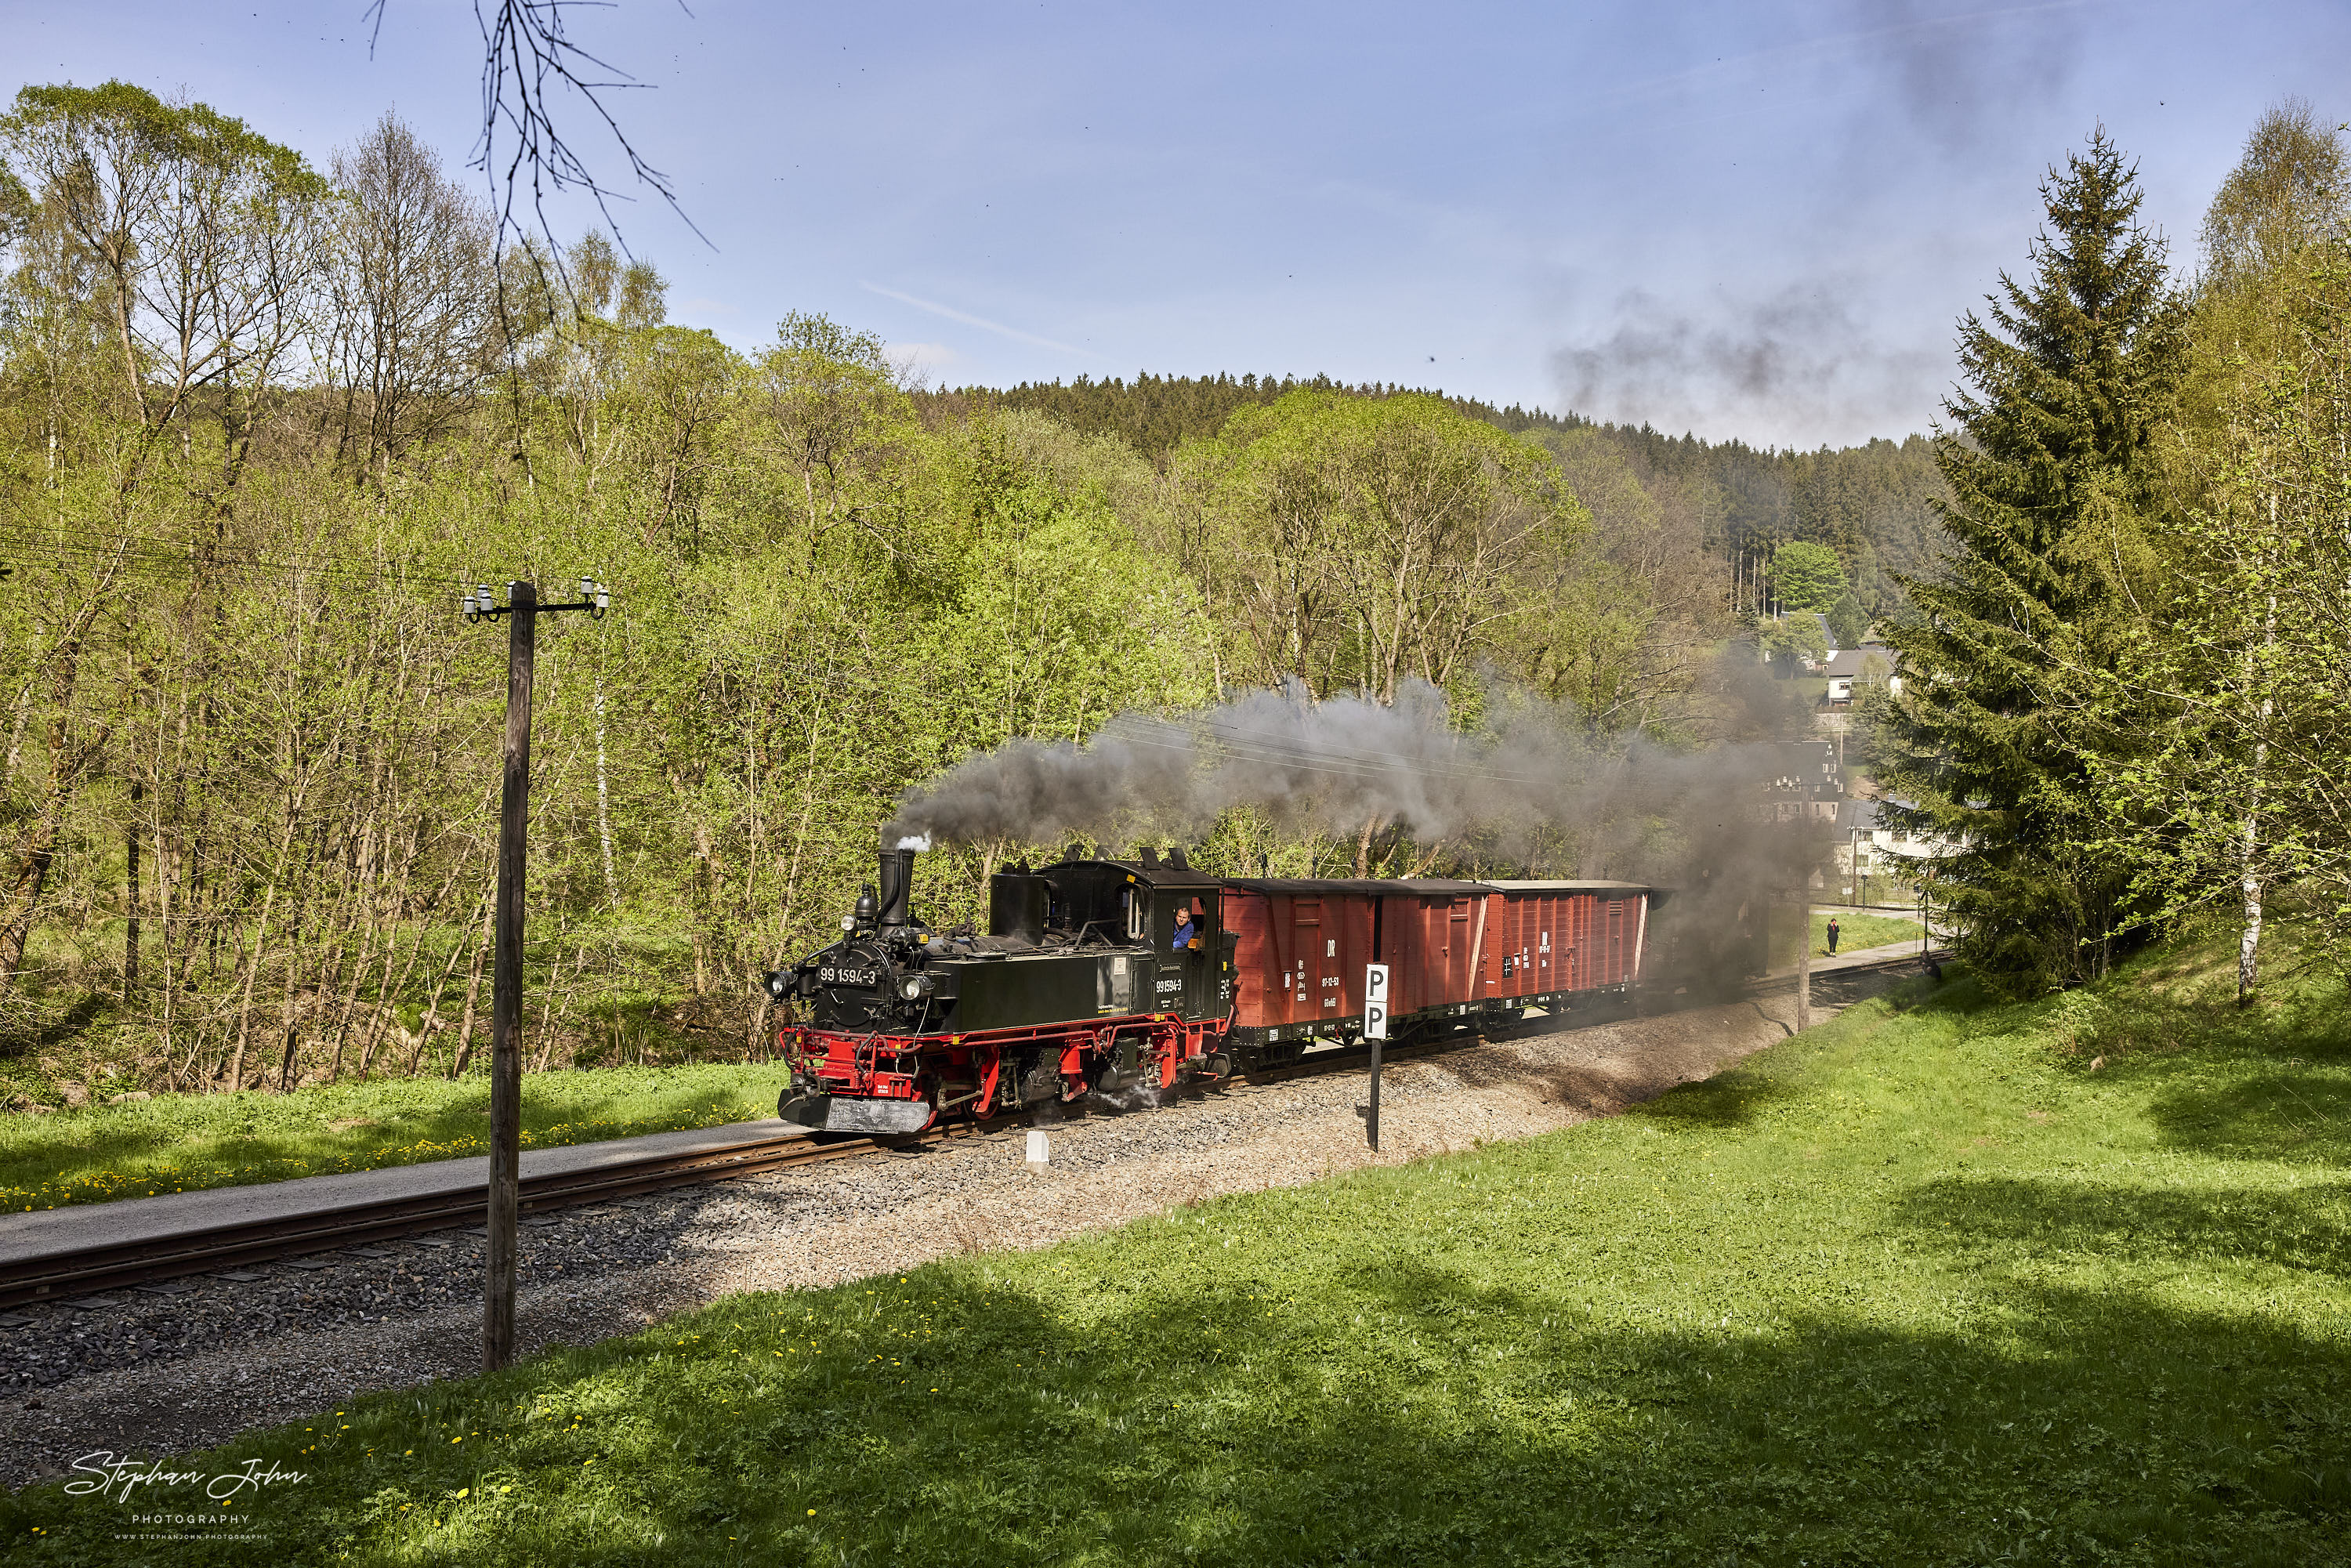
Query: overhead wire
x,y
26,544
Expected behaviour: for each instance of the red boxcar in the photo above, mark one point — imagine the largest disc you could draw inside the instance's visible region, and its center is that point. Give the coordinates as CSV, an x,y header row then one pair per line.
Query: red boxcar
x,y
1451,948
1432,937
1298,953
1550,939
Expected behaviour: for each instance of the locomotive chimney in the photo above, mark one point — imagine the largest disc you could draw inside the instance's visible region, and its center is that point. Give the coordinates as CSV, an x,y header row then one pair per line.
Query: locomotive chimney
x,y
897,883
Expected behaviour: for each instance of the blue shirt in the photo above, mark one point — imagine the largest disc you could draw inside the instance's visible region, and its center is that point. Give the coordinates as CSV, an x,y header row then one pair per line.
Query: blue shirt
x,y
1184,932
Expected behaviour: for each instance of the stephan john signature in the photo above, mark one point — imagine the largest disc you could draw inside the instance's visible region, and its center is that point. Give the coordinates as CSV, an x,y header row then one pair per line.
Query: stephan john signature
x,y
102,1473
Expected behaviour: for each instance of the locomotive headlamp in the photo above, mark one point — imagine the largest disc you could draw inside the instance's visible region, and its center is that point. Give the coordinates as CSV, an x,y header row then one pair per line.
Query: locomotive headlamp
x,y
849,923
913,990
778,983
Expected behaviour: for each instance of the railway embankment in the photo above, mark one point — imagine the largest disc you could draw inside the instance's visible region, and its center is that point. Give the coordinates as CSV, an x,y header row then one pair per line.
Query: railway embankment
x,y
1936,1280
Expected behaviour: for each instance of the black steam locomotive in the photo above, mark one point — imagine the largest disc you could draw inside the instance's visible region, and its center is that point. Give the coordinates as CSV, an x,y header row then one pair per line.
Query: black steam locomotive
x,y
1081,984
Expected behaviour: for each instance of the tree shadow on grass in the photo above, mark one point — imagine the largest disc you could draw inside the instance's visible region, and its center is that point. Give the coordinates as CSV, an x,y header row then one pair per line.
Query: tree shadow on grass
x,y
2283,1114
1357,1423
1733,1099
2015,1219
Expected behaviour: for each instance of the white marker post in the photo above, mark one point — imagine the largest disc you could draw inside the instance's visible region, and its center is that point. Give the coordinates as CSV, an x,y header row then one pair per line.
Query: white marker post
x,y
1375,1029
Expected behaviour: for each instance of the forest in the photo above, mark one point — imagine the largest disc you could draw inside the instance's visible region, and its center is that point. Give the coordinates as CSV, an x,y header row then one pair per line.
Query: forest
x,y
262,423
1874,504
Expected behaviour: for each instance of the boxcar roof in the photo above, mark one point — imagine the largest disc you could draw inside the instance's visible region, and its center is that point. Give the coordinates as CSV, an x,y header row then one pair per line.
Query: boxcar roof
x,y
1572,886
1429,887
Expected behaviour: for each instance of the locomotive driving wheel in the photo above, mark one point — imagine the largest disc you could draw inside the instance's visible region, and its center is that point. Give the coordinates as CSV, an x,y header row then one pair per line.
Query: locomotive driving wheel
x,y
929,1092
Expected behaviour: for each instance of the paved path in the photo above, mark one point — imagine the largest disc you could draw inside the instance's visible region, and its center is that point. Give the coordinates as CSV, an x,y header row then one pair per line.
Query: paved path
x,y
47,1232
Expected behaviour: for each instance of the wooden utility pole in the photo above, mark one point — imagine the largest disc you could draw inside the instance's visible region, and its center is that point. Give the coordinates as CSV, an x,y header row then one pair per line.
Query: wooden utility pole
x,y
1804,960
523,609
505,992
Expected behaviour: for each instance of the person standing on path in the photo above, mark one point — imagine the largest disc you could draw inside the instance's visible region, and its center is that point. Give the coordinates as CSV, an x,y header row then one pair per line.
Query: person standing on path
x,y
1833,936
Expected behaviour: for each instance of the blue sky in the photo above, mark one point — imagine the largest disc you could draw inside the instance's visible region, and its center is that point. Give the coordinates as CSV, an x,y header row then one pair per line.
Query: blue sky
x,y
1758,219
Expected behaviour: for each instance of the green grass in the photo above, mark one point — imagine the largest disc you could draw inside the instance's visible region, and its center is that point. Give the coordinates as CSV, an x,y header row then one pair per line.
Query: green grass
x,y
1938,1282
177,1143
1855,932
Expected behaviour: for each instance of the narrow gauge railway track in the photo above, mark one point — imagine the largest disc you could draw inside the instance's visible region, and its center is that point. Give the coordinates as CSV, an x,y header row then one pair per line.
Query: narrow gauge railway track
x,y
62,1276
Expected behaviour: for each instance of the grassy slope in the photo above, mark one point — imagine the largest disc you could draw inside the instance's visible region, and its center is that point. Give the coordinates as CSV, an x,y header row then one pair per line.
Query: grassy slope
x,y
179,1142
1921,1286
1855,932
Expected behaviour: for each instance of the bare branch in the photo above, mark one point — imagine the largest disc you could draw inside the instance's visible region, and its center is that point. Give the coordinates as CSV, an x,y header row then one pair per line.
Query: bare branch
x,y
527,57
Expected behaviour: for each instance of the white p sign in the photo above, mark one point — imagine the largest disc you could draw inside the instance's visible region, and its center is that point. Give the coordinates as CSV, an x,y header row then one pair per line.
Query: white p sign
x,y
1376,1001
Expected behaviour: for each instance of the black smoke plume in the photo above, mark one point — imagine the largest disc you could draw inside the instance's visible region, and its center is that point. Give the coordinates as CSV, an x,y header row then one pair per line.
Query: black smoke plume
x,y
1531,782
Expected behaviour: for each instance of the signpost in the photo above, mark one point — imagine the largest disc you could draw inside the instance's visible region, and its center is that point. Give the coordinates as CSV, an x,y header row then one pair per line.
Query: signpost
x,y
1375,1029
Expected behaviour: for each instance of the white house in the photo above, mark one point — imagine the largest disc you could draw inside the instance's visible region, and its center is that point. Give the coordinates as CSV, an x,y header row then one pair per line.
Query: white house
x,y
1850,665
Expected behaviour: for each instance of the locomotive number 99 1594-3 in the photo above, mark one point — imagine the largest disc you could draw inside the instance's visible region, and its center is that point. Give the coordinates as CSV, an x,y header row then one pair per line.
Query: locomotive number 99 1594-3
x,y
830,975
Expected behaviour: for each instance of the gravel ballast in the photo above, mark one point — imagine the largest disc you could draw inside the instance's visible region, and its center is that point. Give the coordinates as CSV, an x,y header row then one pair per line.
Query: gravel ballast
x,y
193,1363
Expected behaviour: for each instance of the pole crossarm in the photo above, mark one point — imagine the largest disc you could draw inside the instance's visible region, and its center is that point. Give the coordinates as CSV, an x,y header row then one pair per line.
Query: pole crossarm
x,y
477,604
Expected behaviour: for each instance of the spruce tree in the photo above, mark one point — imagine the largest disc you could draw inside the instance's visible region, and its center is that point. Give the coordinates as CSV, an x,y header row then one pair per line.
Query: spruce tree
x,y
1987,746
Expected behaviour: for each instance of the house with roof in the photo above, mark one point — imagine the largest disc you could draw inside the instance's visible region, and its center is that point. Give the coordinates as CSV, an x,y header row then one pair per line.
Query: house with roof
x,y
1872,856
1849,668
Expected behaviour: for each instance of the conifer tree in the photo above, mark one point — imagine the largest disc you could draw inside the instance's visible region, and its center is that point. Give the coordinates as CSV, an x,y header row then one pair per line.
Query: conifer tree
x,y
1986,747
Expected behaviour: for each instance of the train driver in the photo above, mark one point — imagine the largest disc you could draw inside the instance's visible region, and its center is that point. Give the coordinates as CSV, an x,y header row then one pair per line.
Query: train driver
x,y
1185,929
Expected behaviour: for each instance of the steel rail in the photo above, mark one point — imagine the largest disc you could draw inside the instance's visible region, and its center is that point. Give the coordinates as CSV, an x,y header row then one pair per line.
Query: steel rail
x,y
117,1266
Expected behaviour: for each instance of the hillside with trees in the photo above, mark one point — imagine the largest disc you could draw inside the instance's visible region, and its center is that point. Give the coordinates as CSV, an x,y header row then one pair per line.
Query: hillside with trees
x,y
2125,694
262,422
1873,505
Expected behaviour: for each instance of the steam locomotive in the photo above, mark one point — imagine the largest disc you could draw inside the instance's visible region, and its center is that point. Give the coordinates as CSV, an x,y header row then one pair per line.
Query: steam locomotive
x,y
1108,976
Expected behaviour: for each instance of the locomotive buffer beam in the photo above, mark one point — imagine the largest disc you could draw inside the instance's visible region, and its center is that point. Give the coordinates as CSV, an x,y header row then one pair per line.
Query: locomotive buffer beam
x,y
831,1114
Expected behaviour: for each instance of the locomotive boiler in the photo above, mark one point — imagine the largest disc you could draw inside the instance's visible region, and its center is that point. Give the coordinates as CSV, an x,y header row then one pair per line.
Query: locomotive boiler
x,y
1109,976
